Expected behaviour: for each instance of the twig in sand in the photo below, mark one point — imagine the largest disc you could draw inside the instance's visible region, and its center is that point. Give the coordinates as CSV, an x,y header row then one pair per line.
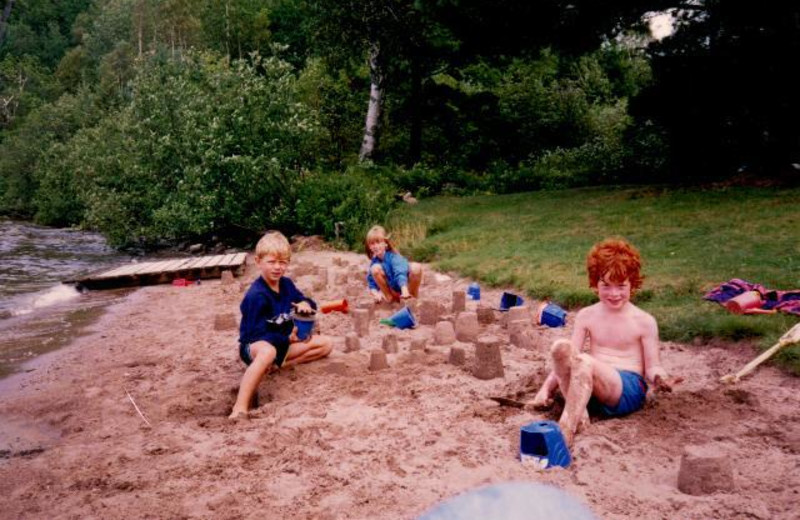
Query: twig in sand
x,y
137,408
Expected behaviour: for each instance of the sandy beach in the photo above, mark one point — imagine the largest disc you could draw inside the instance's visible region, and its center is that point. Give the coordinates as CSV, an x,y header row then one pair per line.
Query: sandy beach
x,y
335,440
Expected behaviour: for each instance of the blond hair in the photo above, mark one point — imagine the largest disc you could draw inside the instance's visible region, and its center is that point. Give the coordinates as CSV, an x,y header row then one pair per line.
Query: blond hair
x,y
274,243
376,234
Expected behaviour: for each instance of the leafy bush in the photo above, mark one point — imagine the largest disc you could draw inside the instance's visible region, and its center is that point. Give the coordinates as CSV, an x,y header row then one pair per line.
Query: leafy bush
x,y
25,150
205,145
355,200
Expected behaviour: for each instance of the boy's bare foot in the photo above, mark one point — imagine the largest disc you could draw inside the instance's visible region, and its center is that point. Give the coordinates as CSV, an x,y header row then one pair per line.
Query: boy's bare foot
x,y
239,415
540,402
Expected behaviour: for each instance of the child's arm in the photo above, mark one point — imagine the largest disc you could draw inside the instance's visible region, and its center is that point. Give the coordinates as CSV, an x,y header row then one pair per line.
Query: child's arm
x,y
252,323
651,353
300,301
544,397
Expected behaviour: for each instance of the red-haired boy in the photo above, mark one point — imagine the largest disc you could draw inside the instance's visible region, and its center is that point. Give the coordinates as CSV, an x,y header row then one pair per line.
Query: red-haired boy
x,y
623,354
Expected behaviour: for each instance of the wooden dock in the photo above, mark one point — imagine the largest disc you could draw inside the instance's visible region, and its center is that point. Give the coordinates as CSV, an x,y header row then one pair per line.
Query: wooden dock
x,y
163,271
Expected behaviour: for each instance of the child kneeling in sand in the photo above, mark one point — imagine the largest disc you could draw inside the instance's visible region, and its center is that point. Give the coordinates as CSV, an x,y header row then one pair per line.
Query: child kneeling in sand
x,y
267,334
612,378
390,277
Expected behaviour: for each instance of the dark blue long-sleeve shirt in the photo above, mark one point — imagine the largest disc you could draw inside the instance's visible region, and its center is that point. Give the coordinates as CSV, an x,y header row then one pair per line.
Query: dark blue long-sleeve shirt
x,y
266,314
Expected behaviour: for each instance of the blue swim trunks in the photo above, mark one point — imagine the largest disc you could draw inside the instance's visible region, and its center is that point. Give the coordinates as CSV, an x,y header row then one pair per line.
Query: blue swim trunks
x,y
634,390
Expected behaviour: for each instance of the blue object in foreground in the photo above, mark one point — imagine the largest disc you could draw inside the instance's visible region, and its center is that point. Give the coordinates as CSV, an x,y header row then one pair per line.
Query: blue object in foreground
x,y
542,443
552,315
474,291
402,319
304,324
509,300
511,501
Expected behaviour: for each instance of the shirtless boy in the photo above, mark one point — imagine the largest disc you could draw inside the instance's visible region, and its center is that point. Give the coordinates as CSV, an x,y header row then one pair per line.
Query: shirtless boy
x,y
623,355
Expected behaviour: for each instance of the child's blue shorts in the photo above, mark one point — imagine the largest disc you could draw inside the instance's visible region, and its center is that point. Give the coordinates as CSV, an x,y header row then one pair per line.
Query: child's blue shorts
x,y
634,391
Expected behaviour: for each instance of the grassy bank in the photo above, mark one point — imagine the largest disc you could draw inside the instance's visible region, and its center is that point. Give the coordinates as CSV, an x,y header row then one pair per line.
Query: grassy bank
x,y
690,239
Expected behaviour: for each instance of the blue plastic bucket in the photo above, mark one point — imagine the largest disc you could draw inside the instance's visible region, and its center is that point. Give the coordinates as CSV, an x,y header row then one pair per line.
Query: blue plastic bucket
x,y
304,324
552,315
474,291
403,319
542,443
508,300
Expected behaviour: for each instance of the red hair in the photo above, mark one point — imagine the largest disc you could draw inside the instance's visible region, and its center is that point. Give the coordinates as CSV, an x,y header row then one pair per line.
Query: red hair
x,y
617,259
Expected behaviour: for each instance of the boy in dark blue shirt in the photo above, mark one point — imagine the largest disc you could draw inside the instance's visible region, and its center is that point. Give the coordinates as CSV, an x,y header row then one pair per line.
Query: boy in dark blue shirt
x,y
267,334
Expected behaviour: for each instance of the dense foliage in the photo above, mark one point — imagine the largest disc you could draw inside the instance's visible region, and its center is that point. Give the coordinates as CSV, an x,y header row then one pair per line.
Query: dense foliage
x,y
160,120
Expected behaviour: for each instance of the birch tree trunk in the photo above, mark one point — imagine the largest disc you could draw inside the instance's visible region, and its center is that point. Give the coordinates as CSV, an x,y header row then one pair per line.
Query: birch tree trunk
x,y
371,127
4,19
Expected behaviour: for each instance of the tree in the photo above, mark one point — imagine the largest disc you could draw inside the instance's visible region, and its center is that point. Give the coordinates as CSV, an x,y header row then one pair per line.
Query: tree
x,y
724,88
4,16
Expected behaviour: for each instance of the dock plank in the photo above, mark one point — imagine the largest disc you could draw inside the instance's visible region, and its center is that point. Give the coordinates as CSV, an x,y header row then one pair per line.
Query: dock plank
x,y
211,261
162,271
152,267
216,261
122,271
239,259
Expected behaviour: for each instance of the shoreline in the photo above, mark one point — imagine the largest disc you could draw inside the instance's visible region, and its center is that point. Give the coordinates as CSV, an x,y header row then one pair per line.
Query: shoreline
x,y
333,440
82,330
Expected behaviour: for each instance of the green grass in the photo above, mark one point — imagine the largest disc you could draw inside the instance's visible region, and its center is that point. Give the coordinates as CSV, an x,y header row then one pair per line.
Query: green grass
x,y
690,239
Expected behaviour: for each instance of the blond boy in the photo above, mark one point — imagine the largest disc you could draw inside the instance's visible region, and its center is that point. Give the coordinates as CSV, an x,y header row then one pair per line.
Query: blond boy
x,y
267,335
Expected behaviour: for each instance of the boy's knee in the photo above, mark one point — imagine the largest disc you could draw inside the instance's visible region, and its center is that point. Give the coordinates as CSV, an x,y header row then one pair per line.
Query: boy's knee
x,y
266,354
325,345
376,270
561,350
415,268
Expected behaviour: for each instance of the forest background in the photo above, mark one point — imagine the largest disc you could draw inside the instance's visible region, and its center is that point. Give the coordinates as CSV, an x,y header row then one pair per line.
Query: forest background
x,y
157,121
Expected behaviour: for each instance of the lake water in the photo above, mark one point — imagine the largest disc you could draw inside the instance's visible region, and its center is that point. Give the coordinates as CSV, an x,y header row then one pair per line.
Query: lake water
x,y
38,313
